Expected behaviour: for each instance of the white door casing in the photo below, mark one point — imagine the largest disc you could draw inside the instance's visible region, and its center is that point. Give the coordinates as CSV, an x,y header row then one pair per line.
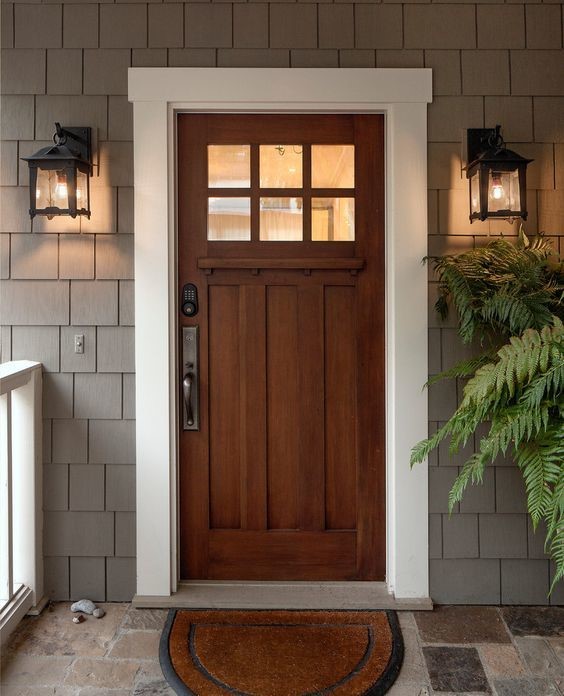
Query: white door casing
x,y
158,94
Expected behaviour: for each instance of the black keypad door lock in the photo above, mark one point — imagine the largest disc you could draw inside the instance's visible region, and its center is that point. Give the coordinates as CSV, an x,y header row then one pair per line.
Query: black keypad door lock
x,y
190,300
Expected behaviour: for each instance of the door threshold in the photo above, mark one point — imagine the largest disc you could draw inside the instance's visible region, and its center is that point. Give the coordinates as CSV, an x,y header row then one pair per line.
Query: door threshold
x,y
217,594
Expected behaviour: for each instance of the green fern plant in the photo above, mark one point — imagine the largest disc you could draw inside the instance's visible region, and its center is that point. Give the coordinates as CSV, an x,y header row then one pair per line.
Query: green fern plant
x,y
501,289
516,385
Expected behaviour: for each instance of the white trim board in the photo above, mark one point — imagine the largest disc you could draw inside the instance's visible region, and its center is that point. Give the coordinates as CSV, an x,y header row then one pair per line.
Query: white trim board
x,y
158,94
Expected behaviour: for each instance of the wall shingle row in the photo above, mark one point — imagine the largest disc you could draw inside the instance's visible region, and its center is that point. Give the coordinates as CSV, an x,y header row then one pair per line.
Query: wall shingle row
x,y
134,25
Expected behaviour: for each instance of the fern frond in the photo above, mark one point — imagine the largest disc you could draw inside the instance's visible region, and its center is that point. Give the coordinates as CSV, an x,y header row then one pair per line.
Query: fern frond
x,y
555,524
472,472
502,286
422,449
510,293
462,369
541,464
519,390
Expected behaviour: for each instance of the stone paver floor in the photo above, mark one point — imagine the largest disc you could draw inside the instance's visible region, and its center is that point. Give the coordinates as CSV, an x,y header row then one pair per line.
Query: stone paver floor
x,y
513,651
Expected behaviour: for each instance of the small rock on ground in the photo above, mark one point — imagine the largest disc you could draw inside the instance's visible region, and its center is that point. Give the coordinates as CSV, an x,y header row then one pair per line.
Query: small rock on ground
x,y
86,606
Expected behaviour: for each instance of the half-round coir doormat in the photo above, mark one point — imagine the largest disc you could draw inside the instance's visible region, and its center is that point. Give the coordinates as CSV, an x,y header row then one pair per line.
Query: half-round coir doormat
x,y
281,653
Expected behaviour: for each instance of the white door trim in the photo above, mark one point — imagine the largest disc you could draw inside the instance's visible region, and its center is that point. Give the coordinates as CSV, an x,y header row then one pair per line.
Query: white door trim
x,y
158,94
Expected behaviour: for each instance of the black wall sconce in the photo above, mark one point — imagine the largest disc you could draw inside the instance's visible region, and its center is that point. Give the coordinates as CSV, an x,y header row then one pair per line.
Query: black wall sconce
x,y
497,177
59,175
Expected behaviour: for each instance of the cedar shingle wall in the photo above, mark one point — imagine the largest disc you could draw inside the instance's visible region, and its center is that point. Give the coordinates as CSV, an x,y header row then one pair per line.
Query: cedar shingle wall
x,y
493,63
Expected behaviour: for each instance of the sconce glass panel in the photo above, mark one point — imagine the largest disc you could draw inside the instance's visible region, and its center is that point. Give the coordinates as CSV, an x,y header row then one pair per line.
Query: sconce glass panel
x,y
503,191
81,188
475,194
52,189
45,189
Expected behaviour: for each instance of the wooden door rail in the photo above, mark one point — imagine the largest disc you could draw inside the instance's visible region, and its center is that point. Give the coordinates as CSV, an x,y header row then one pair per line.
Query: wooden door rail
x,y
210,264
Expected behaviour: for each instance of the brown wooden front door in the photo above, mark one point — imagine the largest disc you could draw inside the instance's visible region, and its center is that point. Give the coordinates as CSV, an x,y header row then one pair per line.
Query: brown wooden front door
x,y
281,229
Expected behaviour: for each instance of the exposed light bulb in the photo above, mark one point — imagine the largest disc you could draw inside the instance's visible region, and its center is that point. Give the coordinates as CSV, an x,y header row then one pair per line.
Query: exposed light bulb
x,y
38,193
497,188
61,189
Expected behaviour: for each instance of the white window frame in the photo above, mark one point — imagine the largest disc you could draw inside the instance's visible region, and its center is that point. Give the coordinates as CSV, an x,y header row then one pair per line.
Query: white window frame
x,y
158,95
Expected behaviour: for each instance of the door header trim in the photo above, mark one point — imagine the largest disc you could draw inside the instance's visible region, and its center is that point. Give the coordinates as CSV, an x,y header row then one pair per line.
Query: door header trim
x,y
158,94
282,87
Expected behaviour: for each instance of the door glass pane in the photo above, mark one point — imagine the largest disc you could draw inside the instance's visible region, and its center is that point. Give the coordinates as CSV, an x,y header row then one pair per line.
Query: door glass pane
x,y
332,219
332,166
281,166
281,219
229,166
229,219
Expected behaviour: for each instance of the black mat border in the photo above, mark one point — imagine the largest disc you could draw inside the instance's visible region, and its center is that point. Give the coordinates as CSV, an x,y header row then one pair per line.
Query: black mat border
x,y
390,673
168,670
379,688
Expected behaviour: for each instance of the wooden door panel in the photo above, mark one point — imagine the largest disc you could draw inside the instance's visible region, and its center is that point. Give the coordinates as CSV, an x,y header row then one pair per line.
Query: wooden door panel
x,y
340,407
224,419
282,409
281,555
311,405
252,318
285,479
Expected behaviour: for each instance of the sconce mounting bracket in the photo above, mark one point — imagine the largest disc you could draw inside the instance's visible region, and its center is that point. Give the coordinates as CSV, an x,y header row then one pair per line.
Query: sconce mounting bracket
x,y
77,139
478,140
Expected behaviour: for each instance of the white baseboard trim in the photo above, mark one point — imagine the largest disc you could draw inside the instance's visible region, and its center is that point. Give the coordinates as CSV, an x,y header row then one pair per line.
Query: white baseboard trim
x,y
38,608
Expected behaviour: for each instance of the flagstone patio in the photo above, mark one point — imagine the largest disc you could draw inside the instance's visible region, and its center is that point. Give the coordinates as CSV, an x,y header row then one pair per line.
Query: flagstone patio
x,y
511,651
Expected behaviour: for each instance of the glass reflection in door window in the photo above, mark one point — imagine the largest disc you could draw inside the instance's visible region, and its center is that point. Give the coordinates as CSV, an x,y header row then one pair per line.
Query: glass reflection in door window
x,y
281,166
332,166
332,219
229,219
281,219
229,166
